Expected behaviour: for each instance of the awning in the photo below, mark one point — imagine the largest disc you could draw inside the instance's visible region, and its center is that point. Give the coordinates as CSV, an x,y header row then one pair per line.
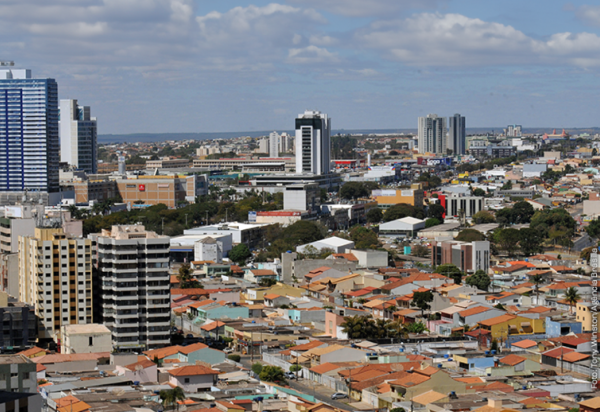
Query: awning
x,y
525,324
512,327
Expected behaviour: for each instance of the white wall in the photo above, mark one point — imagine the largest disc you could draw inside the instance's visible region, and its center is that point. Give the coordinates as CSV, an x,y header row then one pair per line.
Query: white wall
x,y
80,343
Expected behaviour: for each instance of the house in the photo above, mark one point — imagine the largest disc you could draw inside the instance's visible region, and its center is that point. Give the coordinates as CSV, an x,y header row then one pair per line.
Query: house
x,y
33,352
561,325
194,378
142,371
189,354
323,272
504,326
503,298
213,329
273,300
512,365
260,275
418,382
590,405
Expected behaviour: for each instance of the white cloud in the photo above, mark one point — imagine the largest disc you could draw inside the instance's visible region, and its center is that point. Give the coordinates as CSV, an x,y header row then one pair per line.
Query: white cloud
x,y
310,55
433,39
362,8
589,15
323,40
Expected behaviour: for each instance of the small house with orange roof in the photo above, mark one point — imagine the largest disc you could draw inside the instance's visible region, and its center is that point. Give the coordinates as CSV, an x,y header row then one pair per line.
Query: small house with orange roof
x,y
142,371
259,275
226,406
503,326
193,378
33,352
415,383
273,300
524,345
590,405
503,298
513,365
186,354
322,273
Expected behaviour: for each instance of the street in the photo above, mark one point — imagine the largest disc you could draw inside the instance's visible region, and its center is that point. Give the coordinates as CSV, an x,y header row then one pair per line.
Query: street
x,y
320,392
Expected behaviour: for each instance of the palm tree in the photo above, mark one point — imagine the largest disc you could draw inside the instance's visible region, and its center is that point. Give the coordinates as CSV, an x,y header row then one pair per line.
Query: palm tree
x,y
357,327
572,297
178,395
166,396
537,280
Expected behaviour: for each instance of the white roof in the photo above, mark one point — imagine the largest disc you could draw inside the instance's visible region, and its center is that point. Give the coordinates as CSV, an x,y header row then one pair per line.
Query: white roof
x,y
334,241
85,329
406,223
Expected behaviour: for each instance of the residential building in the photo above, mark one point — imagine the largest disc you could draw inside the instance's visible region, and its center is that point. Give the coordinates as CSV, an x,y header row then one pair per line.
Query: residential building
x,y
457,134
85,339
208,249
19,323
467,256
133,264
10,230
313,145
78,136
17,374
9,273
584,314
492,151
513,130
55,276
29,141
432,134
274,144
506,326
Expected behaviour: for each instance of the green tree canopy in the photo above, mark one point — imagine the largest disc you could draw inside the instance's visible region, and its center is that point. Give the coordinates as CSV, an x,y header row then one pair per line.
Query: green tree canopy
x,y
531,241
364,238
480,280
478,192
507,239
593,229
272,374
240,253
432,221
422,300
403,210
470,235
436,211
374,215
483,216
354,190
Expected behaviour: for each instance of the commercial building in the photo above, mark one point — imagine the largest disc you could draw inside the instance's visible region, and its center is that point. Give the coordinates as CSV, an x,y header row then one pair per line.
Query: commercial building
x,y
13,227
18,374
187,248
467,256
167,162
282,217
302,197
249,234
382,174
405,227
313,145
432,134
492,151
457,135
85,339
78,136
97,190
143,191
29,142
468,204
133,264
55,276
246,163
387,198
276,183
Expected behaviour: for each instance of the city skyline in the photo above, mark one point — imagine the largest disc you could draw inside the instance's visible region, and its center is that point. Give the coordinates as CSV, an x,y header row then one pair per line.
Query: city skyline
x,y
188,66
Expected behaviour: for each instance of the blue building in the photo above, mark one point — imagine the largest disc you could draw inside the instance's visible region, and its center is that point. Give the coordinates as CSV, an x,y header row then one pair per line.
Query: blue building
x,y
29,142
561,327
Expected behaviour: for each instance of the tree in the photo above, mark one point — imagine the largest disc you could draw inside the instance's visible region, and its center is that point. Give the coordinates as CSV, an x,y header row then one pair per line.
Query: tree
x,y
483,216
507,186
267,282
470,235
436,211
432,221
416,327
272,374
420,251
240,253
234,357
185,278
374,215
480,280
422,300
257,368
531,241
356,326
364,238
447,269
572,296
593,229
170,397
478,192
522,212
508,240
537,280
403,210
353,190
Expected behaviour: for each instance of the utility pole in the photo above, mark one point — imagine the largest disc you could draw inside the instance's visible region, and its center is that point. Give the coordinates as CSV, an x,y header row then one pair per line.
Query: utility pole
x,y
206,221
163,226
186,215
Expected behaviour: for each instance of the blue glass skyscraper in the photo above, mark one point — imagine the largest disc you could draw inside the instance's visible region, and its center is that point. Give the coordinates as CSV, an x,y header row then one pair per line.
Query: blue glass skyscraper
x,y
29,142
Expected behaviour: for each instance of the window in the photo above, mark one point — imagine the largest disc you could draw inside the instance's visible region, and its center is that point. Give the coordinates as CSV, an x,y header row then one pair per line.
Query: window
x,y
187,380
91,341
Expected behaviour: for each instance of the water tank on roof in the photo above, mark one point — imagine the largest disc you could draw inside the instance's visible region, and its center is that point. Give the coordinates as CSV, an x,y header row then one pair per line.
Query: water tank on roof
x,y
446,356
487,353
440,365
494,352
401,350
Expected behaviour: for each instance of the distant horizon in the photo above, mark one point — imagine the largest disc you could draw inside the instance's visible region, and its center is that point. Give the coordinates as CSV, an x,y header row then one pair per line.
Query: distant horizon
x,y
156,137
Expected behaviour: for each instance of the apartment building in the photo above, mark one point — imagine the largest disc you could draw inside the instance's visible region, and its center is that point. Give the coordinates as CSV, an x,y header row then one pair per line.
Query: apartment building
x,y
55,276
467,256
133,264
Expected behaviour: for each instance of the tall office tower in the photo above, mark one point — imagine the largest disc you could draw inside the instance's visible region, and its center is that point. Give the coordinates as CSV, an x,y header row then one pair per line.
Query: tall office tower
x,y
78,136
274,144
457,134
432,134
55,275
313,145
513,130
29,141
133,264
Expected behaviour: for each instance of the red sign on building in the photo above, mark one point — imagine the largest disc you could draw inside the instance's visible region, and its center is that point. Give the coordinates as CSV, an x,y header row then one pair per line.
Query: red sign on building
x,y
142,188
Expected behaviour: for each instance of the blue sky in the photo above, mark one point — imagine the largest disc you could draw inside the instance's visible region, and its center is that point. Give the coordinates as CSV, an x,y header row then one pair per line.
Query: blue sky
x,y
212,66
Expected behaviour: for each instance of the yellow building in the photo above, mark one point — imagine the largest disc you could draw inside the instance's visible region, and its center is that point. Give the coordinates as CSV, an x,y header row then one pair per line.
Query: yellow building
x,y
512,325
55,276
257,294
388,198
584,315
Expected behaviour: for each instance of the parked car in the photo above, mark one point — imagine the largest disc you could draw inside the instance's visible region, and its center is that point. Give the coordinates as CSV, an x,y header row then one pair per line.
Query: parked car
x,y
189,336
339,395
290,375
228,350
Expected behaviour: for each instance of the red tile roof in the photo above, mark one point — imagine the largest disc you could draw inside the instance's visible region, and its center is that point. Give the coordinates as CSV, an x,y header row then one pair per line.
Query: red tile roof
x,y
527,343
140,365
558,352
189,292
512,360
193,370
473,311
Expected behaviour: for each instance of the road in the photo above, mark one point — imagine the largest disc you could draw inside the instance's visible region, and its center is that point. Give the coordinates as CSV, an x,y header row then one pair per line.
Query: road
x,y
320,392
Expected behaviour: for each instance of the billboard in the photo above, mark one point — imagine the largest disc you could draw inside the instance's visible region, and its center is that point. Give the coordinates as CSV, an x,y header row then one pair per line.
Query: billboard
x,y
252,217
434,161
13,211
142,188
282,214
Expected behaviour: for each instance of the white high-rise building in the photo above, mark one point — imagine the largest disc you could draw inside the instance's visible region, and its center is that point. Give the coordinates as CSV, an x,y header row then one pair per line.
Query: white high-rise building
x,y
29,143
286,143
313,144
514,130
133,264
274,144
432,134
263,145
78,136
457,135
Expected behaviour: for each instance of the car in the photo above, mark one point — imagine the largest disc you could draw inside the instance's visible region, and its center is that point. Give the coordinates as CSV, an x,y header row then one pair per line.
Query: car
x,y
189,336
290,375
228,350
339,395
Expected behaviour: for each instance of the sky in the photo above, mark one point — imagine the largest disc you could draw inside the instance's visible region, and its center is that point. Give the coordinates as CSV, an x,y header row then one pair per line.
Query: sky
x,y
158,66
